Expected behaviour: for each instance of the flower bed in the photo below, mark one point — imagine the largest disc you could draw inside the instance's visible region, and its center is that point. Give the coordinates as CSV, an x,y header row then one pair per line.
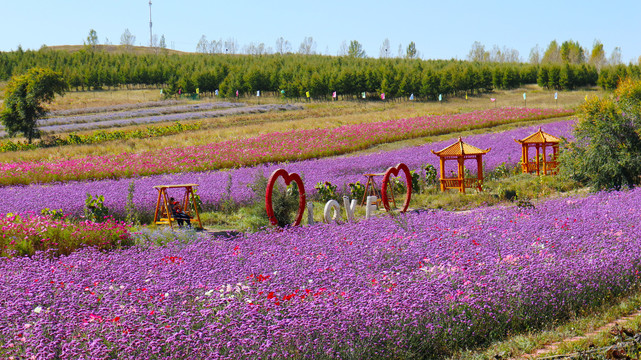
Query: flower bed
x,y
214,185
25,234
421,285
273,147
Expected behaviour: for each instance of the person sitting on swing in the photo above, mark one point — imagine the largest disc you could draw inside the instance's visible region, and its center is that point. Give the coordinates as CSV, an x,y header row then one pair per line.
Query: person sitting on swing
x,y
178,214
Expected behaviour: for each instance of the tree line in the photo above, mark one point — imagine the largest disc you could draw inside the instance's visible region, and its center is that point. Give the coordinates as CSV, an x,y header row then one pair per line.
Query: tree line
x,y
295,75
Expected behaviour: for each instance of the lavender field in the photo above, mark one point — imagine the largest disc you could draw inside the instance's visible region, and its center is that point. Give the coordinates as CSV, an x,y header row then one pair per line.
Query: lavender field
x,y
340,171
152,115
418,286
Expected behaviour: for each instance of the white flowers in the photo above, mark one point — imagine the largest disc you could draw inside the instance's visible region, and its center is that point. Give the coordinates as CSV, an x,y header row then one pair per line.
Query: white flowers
x,y
38,309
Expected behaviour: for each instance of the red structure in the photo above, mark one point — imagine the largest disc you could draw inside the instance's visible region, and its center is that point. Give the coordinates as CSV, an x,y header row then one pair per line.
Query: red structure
x,y
460,152
540,164
288,178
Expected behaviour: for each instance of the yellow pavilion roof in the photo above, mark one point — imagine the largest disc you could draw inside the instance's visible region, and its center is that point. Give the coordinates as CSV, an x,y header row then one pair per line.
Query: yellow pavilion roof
x,y
460,148
539,137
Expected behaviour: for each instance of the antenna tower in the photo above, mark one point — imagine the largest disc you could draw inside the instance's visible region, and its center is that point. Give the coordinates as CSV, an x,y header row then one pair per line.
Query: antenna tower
x,y
151,37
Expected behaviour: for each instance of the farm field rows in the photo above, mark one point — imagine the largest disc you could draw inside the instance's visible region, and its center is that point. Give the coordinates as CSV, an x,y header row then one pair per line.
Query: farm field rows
x,y
139,117
425,283
271,147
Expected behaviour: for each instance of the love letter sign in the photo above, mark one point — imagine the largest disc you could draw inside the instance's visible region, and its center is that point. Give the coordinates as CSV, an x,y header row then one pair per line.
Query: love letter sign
x,y
408,181
288,180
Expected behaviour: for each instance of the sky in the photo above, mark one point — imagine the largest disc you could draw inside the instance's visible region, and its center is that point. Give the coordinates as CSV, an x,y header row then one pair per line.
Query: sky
x,y
440,29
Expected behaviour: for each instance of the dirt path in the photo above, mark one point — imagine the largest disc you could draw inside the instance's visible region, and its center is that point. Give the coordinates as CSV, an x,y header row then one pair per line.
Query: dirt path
x,y
550,348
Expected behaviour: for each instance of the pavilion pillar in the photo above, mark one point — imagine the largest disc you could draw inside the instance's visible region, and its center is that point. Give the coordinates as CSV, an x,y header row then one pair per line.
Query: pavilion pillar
x,y
537,160
545,161
479,165
442,162
461,174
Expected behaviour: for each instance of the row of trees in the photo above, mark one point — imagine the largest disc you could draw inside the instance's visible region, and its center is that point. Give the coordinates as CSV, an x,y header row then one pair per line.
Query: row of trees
x,y
297,74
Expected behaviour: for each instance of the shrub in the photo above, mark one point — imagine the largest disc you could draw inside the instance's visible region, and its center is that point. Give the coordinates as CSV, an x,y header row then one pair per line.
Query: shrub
x,y
95,209
357,190
326,191
607,151
284,203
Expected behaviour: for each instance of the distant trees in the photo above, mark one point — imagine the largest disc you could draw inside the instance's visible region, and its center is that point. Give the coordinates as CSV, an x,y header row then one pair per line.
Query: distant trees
x,y
24,96
92,39
385,50
308,46
411,52
127,39
355,50
283,46
597,56
477,53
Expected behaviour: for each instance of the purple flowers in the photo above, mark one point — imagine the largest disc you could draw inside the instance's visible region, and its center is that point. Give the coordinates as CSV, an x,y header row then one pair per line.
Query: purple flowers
x,y
388,287
213,185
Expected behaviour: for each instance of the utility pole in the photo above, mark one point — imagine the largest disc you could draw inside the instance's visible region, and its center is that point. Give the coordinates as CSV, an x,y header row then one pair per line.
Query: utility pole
x,y
151,37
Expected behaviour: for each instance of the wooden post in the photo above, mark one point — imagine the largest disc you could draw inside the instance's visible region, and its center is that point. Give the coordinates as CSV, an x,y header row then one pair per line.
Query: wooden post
x,y
545,162
461,174
537,159
479,164
442,162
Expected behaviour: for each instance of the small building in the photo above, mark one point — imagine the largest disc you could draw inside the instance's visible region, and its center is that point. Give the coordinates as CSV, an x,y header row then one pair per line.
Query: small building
x,y
460,152
541,164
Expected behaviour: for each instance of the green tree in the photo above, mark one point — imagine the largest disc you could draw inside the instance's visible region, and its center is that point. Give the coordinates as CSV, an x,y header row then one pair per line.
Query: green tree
x,y
24,96
411,52
355,50
92,39
607,150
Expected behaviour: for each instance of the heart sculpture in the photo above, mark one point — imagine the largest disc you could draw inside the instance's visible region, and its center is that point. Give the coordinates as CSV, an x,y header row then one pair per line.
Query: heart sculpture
x,y
408,180
288,180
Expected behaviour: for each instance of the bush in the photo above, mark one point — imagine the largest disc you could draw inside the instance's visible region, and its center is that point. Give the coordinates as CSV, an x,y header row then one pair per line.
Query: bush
x,y
284,203
326,191
95,209
607,150
356,190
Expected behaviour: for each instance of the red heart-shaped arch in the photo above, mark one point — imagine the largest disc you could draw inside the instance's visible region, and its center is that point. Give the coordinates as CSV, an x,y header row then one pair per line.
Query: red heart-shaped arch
x,y
288,180
408,180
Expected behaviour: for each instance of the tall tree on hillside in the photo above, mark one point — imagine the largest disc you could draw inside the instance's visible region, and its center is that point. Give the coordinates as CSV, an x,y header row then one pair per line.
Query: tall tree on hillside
x,y
127,39
535,55
615,56
92,39
308,46
552,54
355,50
411,52
572,52
162,44
597,56
283,46
477,53
24,96
203,45
231,46
386,50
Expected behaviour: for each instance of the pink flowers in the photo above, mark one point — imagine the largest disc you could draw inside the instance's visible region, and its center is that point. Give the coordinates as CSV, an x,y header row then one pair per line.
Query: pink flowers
x,y
268,148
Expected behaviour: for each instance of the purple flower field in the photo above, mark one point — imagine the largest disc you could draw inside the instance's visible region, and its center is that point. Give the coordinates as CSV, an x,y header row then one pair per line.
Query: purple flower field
x,y
160,110
213,185
416,286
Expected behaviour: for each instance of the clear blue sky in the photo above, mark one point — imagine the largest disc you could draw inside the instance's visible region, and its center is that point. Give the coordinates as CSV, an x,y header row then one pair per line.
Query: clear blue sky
x,y
441,29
